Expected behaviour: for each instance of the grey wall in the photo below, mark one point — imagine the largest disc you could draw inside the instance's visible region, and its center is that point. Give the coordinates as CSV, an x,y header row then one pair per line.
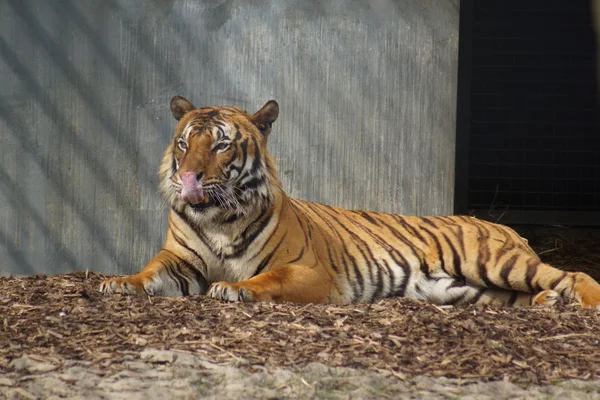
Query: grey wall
x,y
366,89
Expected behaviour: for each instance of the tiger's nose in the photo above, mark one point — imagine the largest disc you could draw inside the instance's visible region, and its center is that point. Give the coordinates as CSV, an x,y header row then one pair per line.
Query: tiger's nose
x,y
188,176
192,190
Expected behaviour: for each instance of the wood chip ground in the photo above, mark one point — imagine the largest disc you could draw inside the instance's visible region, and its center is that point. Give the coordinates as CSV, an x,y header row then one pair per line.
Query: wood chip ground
x,y
52,319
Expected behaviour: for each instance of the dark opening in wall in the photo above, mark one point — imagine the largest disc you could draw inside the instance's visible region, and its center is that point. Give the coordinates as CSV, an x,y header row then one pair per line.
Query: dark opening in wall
x,y
531,111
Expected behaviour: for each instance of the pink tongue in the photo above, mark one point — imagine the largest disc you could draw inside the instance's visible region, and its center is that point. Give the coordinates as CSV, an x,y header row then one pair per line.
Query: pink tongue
x,y
192,191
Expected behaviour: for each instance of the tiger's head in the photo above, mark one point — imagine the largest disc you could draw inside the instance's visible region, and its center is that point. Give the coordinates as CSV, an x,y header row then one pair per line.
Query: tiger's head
x,y
218,165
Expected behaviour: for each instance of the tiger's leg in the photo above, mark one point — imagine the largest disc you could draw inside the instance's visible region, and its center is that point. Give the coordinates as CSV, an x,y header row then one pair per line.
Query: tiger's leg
x,y
452,291
293,283
524,272
576,286
511,298
165,275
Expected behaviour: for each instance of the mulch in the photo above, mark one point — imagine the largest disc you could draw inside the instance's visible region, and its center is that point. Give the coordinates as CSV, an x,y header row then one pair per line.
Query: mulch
x,y
64,317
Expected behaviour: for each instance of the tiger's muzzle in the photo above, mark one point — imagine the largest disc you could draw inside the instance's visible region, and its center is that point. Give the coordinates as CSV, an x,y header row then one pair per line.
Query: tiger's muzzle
x,y
192,190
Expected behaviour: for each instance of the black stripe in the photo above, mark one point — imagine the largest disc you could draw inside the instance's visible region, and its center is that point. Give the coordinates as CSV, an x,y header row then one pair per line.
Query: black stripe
x,y
362,246
456,300
554,284
467,219
402,221
457,283
257,158
310,231
483,257
378,293
357,275
478,295
311,207
369,265
234,155
249,235
171,269
532,269
248,228
330,257
417,252
351,283
456,262
231,219
366,253
199,232
181,242
183,283
482,270
306,240
383,242
367,216
253,183
507,269
438,246
300,256
368,256
302,207
429,222
391,274
402,263
244,146
420,291
200,279
265,262
447,219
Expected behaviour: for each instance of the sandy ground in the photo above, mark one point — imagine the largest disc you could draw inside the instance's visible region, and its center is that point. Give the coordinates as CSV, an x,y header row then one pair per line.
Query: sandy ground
x,y
165,374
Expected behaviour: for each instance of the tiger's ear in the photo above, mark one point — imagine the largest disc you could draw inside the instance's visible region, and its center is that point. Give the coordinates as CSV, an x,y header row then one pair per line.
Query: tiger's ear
x,y
180,106
264,118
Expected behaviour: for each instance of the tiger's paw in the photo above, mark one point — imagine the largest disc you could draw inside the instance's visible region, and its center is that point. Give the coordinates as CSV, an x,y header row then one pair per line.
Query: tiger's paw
x,y
546,298
124,285
230,292
587,291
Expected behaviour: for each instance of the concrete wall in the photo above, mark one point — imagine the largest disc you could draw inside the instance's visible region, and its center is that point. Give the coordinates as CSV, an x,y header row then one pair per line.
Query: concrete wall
x,y
366,88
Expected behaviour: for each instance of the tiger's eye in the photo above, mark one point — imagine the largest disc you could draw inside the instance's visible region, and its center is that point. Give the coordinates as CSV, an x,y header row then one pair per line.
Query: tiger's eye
x,y
222,146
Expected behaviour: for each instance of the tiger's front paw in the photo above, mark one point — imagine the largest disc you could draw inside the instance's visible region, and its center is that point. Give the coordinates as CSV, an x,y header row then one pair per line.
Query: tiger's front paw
x,y
125,285
230,292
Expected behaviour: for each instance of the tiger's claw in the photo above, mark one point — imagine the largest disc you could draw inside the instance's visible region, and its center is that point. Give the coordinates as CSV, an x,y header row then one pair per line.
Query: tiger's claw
x,y
125,285
230,292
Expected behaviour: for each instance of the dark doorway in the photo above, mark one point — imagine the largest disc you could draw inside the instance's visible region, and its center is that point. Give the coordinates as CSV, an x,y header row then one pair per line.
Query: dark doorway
x,y
528,131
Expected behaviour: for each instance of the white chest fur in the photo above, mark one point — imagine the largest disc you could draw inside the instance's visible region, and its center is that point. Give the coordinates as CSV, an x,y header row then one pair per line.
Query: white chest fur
x,y
222,254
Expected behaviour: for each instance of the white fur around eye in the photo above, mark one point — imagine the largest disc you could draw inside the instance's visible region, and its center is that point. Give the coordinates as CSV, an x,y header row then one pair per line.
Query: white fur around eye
x,y
182,144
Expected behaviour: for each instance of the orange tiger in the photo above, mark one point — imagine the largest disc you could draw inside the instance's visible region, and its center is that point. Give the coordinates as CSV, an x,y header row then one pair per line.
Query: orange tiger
x,y
234,235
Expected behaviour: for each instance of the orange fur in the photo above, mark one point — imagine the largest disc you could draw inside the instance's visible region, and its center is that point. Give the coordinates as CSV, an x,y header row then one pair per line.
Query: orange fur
x,y
248,241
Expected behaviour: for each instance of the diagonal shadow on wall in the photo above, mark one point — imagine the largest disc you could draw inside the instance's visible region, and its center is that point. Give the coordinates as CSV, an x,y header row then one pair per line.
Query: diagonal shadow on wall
x,y
50,109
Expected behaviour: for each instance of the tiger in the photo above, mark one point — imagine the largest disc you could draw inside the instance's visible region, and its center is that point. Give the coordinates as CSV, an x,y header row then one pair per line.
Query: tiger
x,y
234,235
